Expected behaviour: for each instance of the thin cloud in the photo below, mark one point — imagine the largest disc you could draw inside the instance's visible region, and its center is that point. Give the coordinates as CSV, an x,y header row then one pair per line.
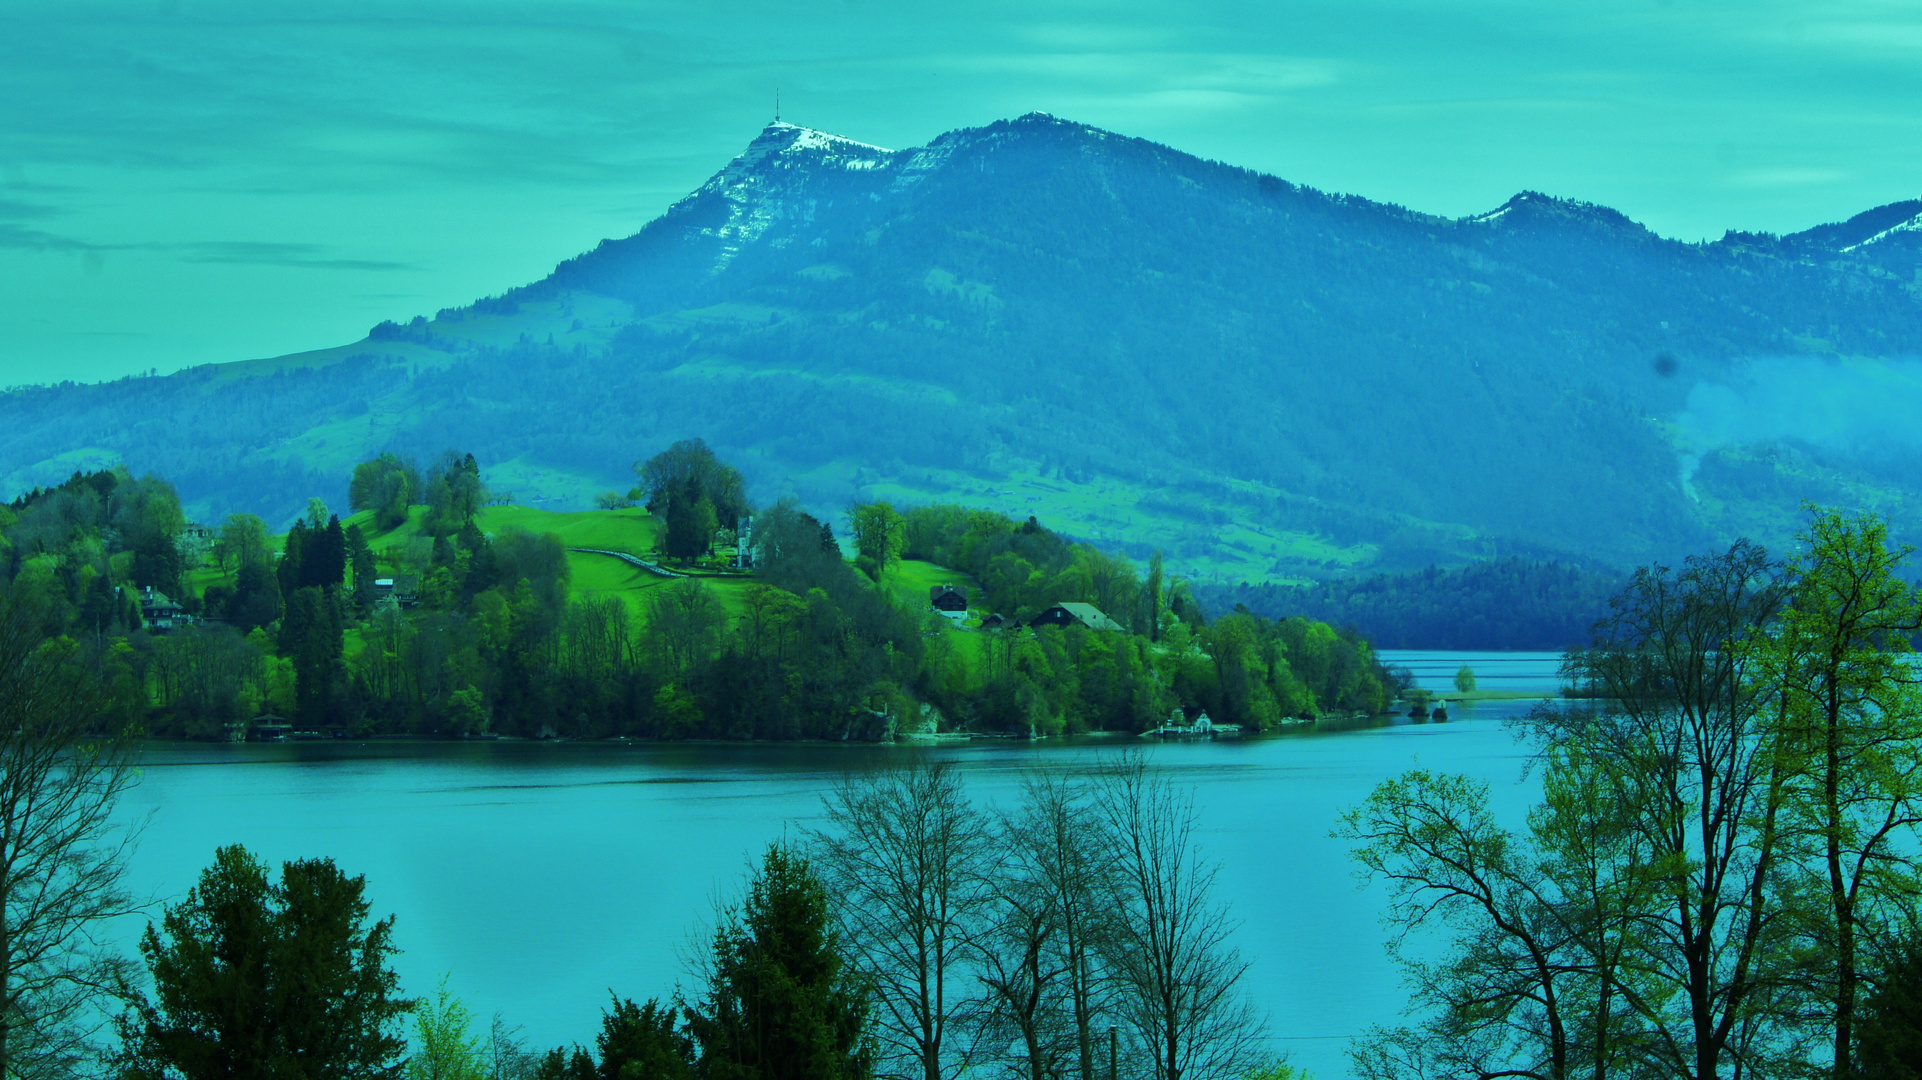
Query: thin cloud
x,y
242,252
259,253
20,237
20,211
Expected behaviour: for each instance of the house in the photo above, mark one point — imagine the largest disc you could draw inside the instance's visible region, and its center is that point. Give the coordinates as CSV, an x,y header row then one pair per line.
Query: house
x,y
397,590
159,613
994,622
947,598
194,542
1072,614
271,728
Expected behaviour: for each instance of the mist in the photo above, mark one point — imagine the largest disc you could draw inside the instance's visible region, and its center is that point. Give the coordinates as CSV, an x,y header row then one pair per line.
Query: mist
x,y
1853,408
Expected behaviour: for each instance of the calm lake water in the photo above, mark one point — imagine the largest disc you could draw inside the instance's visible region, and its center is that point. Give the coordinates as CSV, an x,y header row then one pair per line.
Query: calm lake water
x,y
541,876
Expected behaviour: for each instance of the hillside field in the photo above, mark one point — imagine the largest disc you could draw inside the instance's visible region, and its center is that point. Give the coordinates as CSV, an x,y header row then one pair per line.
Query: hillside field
x,y
633,531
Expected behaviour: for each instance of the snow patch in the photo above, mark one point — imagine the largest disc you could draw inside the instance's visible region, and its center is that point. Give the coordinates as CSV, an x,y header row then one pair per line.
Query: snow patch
x,y
1914,224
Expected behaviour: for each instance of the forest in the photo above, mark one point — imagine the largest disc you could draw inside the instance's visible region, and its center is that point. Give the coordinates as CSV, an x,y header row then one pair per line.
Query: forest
x,y
1511,603
489,636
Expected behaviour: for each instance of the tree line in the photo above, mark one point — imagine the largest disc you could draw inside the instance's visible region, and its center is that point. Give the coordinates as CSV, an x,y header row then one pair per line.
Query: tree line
x,y
1507,603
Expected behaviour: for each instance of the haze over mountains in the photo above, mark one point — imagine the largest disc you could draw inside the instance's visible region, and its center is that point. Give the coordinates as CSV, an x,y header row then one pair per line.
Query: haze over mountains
x,y
1136,345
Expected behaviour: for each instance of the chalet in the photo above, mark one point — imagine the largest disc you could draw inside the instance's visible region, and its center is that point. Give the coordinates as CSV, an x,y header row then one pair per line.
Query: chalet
x,y
994,622
1071,614
159,613
398,591
947,598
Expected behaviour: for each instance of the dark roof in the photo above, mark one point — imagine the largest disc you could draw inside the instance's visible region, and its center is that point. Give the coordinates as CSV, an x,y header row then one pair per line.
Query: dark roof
x,y
947,596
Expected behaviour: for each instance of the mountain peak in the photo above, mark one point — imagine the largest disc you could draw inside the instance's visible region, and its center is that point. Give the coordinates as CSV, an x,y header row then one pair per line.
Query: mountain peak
x,y
1535,208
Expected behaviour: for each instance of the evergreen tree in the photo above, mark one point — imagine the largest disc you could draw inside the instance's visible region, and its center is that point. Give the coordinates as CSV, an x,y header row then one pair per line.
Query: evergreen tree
x,y
1888,1033
312,635
256,599
324,557
255,980
781,1003
360,557
288,572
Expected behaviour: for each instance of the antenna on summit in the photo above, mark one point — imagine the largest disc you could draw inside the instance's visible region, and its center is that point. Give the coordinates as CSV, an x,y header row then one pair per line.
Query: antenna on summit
x,y
777,104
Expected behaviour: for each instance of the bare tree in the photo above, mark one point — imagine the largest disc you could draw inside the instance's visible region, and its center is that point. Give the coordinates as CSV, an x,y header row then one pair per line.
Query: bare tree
x,y
61,852
1019,956
1177,979
1064,846
906,857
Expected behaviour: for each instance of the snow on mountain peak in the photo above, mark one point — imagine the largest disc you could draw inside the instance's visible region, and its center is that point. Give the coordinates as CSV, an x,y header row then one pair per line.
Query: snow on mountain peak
x,y
1913,224
777,158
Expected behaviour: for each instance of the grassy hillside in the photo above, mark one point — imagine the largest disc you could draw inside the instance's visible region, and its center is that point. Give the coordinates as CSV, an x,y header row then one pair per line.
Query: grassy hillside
x,y
633,531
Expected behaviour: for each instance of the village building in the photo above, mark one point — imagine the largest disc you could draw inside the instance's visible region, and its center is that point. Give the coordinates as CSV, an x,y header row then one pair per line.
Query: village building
x,y
195,542
396,591
1072,614
947,598
160,613
994,622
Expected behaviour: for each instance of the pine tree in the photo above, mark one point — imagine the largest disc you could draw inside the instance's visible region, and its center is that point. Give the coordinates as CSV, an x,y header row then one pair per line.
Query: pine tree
x,y
256,980
781,1003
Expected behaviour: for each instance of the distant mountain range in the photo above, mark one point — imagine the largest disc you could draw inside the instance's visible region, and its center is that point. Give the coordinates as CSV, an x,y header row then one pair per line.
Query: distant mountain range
x,y
1138,346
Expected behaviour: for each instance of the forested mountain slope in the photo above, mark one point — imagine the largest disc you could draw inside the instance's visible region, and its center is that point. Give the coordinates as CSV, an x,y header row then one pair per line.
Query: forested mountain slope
x,y
1137,345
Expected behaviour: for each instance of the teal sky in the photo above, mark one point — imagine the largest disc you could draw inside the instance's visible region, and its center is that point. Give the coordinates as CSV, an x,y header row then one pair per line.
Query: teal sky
x,y
184,182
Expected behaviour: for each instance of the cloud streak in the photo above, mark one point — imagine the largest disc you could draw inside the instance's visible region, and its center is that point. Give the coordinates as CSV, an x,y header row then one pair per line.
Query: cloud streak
x,y
237,252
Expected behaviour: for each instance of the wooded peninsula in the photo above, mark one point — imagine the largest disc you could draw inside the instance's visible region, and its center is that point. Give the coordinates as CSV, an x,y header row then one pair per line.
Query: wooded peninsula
x,y
675,611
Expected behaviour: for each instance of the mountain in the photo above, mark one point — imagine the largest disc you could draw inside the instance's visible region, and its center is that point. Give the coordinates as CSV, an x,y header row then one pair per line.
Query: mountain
x,y
1136,345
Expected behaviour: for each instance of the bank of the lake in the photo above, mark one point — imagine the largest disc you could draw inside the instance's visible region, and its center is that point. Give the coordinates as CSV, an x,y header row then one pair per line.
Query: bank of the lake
x,y
542,875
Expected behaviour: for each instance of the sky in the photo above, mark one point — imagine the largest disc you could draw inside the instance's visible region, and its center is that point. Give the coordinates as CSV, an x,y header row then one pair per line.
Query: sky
x,y
186,181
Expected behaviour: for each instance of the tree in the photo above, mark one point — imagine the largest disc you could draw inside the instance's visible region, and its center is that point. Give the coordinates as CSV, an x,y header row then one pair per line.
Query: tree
x,y
62,771
684,622
256,598
781,1002
254,979
387,485
689,469
1065,848
880,533
1047,917
1888,1031
1177,978
445,1047
1643,924
1853,735
1465,679
243,540
906,853
1151,597
691,522
360,558
644,1042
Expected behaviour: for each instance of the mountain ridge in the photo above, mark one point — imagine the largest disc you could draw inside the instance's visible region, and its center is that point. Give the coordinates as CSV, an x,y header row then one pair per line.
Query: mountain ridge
x,y
1148,348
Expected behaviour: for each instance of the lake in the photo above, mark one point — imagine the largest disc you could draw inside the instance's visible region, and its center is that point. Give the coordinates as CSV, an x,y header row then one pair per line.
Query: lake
x,y
539,876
